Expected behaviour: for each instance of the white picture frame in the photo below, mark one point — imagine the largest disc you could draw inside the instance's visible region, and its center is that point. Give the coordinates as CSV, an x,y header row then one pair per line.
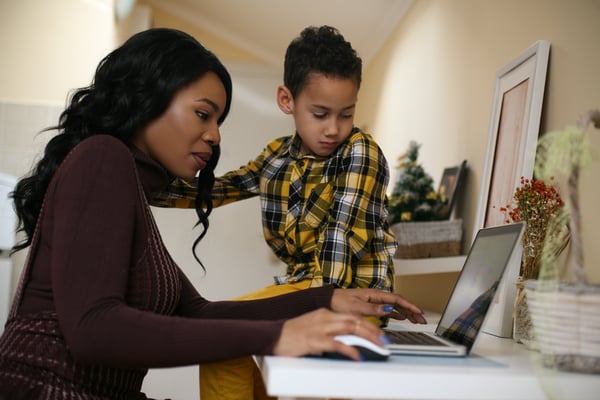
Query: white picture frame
x,y
510,154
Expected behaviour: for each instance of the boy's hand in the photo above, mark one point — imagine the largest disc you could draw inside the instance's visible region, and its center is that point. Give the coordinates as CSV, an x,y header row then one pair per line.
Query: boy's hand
x,y
373,302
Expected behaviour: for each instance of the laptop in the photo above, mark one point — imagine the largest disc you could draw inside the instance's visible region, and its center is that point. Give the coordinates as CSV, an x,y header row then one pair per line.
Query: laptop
x,y
470,301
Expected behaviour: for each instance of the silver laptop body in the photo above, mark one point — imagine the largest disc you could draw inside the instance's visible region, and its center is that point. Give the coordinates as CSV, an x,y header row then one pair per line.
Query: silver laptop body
x,y
470,300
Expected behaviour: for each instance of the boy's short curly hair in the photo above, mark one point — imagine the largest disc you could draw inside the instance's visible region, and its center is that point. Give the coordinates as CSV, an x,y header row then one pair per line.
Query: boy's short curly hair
x,y
320,50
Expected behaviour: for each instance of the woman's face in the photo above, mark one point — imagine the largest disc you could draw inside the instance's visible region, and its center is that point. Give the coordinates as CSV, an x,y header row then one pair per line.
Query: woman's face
x,y
181,139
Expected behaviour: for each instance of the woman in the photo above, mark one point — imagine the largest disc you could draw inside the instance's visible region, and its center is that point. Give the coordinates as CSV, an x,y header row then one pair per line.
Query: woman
x,y
100,299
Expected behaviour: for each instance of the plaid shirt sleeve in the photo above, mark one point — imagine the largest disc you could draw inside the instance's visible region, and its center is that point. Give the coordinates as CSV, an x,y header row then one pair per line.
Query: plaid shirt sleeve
x,y
233,186
179,194
356,245
242,183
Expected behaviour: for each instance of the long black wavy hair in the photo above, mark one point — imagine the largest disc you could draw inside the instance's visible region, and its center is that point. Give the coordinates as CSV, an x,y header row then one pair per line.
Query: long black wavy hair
x,y
132,86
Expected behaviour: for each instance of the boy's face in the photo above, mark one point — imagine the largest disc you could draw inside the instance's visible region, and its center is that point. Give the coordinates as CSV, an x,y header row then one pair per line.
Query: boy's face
x,y
323,112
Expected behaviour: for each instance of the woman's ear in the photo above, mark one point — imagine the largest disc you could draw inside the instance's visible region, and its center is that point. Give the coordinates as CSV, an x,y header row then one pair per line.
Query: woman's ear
x,y
285,100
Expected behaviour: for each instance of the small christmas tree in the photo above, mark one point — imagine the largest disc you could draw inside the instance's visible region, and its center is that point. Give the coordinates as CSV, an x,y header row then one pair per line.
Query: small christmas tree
x,y
413,197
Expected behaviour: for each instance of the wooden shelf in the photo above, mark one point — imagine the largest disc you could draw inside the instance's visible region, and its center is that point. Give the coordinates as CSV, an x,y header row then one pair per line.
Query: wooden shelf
x,y
434,265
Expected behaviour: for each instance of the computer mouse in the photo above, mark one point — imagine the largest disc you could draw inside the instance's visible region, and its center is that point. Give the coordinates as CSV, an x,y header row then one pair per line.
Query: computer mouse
x,y
369,350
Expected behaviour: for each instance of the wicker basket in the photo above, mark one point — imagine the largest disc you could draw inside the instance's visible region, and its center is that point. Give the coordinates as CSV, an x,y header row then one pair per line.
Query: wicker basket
x,y
428,239
566,321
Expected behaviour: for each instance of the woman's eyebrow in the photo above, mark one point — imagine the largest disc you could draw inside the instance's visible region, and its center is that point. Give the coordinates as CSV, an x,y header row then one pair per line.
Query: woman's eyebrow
x,y
210,102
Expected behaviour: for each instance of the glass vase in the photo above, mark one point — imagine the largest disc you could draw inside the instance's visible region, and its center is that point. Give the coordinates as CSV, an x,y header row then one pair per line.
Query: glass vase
x,y
523,331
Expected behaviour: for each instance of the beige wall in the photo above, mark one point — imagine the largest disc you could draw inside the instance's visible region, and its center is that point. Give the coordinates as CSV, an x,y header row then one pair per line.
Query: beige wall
x,y
224,50
433,82
50,47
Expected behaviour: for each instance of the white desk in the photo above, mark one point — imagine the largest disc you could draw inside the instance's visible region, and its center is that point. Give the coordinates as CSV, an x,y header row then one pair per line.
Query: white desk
x,y
497,369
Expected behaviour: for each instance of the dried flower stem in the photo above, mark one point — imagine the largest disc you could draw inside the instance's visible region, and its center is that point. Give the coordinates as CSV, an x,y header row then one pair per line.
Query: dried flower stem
x,y
535,203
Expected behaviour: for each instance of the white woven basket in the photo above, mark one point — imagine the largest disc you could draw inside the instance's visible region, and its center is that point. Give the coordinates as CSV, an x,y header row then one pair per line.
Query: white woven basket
x,y
566,322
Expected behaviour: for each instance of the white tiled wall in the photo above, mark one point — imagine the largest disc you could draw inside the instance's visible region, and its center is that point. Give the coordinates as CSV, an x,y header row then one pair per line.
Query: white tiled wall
x,y
21,139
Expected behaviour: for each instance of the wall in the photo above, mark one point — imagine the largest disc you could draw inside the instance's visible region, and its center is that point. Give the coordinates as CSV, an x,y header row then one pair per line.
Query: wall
x,y
224,50
434,78
46,47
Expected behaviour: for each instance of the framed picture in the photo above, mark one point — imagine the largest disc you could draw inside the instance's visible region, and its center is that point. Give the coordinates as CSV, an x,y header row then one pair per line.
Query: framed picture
x,y
449,185
510,154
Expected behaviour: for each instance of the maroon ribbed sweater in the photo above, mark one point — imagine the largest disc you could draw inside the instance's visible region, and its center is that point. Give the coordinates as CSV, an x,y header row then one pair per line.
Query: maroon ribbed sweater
x,y
119,299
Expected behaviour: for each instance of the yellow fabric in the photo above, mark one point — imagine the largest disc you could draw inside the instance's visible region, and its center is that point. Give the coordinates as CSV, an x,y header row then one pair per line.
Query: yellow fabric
x,y
276,290
237,379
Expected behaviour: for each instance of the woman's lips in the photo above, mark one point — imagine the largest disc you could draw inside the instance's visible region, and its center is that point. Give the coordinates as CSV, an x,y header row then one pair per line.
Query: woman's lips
x,y
201,159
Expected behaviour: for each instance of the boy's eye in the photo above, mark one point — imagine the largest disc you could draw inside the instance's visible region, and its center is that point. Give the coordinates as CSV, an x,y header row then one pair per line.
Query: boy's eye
x,y
347,116
202,115
320,115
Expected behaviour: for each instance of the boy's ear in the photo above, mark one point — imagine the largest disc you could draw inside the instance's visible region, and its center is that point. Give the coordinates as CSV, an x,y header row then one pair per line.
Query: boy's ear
x,y
285,100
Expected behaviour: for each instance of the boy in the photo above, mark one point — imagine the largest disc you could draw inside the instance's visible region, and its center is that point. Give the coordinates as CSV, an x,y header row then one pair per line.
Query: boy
x,y
322,191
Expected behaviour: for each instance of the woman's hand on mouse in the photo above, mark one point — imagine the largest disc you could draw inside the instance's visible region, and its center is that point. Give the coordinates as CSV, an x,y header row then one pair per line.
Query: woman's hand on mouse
x,y
314,332
373,302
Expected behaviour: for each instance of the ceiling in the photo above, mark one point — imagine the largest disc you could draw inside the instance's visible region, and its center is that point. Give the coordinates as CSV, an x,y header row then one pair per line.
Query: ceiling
x,y
265,27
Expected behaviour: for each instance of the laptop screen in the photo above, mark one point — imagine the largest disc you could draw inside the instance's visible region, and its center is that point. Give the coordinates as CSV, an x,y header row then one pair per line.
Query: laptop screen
x,y
477,283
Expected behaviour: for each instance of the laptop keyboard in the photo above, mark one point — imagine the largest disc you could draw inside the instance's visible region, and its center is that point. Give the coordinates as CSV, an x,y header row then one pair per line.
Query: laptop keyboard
x,y
409,337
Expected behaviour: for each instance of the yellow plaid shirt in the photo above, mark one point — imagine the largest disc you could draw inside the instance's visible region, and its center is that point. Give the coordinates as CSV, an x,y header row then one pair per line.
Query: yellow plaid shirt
x,y
324,217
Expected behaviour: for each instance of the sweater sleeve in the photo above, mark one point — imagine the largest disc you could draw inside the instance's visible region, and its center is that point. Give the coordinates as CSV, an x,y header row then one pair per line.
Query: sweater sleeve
x,y
92,220
279,307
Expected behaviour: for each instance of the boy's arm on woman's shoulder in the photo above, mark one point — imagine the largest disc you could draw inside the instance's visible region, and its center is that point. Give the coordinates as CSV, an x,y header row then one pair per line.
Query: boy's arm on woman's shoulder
x,y
179,194
182,194
235,185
